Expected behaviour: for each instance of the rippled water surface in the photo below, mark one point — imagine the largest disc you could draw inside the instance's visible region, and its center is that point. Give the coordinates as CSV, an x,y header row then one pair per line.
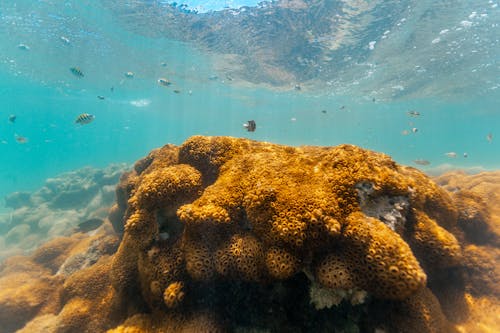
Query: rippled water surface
x,y
308,72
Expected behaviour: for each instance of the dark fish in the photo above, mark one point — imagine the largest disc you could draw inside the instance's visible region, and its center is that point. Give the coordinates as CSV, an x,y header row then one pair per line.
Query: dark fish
x,y
21,139
12,118
373,99
164,82
421,162
101,97
177,91
413,113
342,107
323,111
250,126
23,47
298,87
77,72
89,224
84,118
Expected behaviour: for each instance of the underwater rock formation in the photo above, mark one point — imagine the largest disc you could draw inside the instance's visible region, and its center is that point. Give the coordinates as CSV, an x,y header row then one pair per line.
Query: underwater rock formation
x,y
222,209
225,235
58,208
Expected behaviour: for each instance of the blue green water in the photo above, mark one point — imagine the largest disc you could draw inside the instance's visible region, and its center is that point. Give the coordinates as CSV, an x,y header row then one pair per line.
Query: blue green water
x,y
457,99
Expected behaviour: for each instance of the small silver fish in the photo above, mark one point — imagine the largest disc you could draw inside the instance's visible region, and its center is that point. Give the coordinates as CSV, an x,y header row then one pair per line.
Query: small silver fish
x,y
84,118
23,47
129,75
451,154
12,118
413,113
466,155
65,40
414,130
164,82
421,162
76,71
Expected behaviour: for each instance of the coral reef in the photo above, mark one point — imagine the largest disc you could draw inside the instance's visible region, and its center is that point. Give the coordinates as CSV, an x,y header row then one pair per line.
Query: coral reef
x,y
57,208
35,293
232,235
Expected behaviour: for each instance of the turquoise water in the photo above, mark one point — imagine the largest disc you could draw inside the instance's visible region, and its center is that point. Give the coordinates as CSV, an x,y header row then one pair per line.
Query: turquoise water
x,y
452,82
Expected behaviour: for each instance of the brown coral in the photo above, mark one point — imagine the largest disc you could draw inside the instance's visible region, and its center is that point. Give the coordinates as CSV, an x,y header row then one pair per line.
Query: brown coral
x,y
419,313
174,294
219,223
437,246
270,208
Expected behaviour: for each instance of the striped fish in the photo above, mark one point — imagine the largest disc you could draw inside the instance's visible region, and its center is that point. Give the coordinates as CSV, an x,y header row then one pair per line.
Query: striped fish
x,y
77,71
84,118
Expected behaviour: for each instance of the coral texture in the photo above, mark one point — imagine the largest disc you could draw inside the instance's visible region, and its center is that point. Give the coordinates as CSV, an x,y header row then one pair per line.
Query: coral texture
x,y
231,235
235,209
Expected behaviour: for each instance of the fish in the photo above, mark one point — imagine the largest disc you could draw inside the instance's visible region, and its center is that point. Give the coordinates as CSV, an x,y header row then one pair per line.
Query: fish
x,y
129,75
466,155
65,40
163,64
451,154
421,162
489,137
89,225
76,71
298,87
23,47
177,91
12,118
101,97
342,107
413,113
250,126
21,139
323,111
164,82
414,130
405,132
85,118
